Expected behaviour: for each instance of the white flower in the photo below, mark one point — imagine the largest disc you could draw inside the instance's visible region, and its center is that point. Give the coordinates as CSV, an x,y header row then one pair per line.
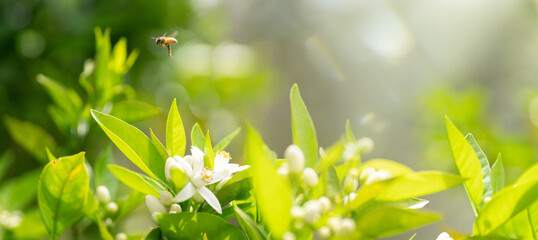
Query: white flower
x,y
365,173
310,177
174,170
222,160
347,227
175,208
295,157
312,211
377,176
200,177
288,236
154,205
121,236
297,212
103,195
365,145
166,198
444,236
10,220
325,203
112,207
324,232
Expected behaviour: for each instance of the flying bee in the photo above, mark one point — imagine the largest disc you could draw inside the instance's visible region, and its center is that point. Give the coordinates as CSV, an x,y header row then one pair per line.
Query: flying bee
x,y
166,41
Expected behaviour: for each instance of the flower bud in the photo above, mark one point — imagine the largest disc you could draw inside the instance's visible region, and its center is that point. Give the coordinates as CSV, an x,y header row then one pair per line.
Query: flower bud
x,y
310,177
350,184
324,232
283,170
288,236
108,222
297,212
347,227
166,198
10,220
365,145
103,195
177,175
154,216
377,176
312,211
334,223
365,173
325,203
112,207
198,198
169,162
444,236
295,157
175,207
350,150
154,205
121,236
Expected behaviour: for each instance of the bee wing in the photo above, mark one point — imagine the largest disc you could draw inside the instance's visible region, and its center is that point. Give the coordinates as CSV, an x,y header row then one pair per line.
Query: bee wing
x,y
173,34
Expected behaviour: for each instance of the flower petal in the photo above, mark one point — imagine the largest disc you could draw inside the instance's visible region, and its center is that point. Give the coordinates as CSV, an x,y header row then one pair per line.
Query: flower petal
x,y
169,162
219,174
197,159
183,164
185,193
239,169
210,198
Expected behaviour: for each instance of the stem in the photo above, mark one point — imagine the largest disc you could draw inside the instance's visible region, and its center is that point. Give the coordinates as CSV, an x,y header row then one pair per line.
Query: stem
x,y
532,224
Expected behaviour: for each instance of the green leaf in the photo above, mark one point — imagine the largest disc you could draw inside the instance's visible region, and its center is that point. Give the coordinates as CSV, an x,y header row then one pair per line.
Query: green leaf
x,y
104,233
158,145
153,234
136,181
32,138
395,168
236,191
304,134
133,143
504,205
31,227
412,236
133,201
197,137
188,225
134,111
176,141
384,222
497,175
328,184
16,193
103,176
418,184
66,99
62,193
209,155
333,155
486,170
5,162
467,164
226,140
252,230
273,192
349,133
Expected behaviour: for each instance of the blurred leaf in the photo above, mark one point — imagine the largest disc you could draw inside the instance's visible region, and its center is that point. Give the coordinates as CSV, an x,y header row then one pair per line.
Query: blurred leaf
x,y
66,99
273,192
62,193
349,133
133,201
365,194
188,225
158,145
104,233
304,134
328,184
197,137
133,111
136,181
209,155
226,140
251,229
505,205
176,141
486,170
103,83
497,175
153,234
133,143
395,168
384,222
468,165
50,156
119,54
32,138
236,191
16,193
418,184
103,176
5,162
31,227
333,155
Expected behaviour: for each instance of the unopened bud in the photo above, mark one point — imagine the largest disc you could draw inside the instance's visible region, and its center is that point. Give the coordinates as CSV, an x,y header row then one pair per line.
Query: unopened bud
x,y
154,205
334,223
295,157
166,198
169,162
377,176
121,236
108,222
347,228
325,203
310,177
297,212
103,195
112,207
324,232
365,145
283,170
175,207
288,236
312,209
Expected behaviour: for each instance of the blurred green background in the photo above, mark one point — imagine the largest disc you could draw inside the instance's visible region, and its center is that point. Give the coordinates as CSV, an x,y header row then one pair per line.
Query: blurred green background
x,y
394,68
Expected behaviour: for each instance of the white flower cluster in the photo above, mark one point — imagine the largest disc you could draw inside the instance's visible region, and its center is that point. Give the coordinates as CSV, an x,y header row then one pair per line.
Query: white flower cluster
x,y
10,220
189,174
103,196
295,165
370,175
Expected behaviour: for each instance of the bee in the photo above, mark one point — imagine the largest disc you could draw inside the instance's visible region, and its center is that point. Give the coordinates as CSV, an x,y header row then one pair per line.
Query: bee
x,y
166,41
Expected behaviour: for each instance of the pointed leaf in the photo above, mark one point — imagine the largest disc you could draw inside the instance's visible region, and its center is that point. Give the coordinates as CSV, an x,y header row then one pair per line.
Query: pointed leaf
x,y
209,155
252,230
133,201
273,192
133,143
384,222
29,136
486,170
103,176
467,164
226,140
189,225
62,193
333,155
136,181
395,168
197,137
497,175
133,111
349,133
304,134
176,141
5,163
158,145
418,184
16,193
